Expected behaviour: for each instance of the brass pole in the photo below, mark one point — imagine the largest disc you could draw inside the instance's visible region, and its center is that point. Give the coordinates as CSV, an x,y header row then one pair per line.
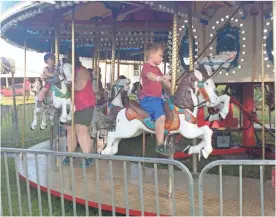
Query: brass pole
x,y
191,69
174,53
263,85
274,46
73,77
56,62
173,81
113,49
145,59
24,95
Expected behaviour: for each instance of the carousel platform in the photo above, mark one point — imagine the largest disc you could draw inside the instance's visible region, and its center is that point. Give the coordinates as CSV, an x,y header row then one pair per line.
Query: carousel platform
x,y
251,188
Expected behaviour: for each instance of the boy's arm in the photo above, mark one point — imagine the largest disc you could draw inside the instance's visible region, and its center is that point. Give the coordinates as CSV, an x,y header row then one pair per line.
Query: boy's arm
x,y
151,76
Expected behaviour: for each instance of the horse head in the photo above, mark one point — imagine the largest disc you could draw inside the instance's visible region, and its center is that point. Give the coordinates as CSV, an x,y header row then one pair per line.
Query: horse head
x,y
120,86
136,87
194,91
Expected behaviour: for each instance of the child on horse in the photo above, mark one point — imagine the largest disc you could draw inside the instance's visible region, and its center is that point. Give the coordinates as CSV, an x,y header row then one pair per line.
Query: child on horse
x,y
47,76
150,96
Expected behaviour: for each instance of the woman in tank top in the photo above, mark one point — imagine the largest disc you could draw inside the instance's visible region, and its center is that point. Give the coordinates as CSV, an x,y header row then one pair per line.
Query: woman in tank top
x,y
85,100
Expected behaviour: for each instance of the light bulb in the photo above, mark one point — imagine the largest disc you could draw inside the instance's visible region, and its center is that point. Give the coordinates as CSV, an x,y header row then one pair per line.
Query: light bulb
x,y
243,32
239,67
243,38
211,35
242,60
213,27
241,25
211,48
226,73
265,30
268,66
236,20
243,45
234,72
217,22
227,16
220,72
222,19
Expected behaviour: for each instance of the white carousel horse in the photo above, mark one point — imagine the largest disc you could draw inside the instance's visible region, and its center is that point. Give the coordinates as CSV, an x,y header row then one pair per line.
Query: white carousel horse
x,y
195,89
211,64
58,98
115,102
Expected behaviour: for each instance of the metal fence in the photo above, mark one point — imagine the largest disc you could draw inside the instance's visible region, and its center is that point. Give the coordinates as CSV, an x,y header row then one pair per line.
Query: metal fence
x,y
121,162
240,164
8,125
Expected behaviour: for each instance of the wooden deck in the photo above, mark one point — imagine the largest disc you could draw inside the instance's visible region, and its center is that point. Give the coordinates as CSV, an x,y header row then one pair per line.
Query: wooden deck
x,y
251,188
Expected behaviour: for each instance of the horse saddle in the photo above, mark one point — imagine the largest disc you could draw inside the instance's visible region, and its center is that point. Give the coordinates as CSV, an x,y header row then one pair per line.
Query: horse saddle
x,y
135,111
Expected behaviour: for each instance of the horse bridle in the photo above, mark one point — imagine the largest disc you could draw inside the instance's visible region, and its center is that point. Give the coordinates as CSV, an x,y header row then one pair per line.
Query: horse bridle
x,y
119,91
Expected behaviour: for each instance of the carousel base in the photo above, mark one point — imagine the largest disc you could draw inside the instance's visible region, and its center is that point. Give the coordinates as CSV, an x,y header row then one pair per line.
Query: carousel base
x,y
251,195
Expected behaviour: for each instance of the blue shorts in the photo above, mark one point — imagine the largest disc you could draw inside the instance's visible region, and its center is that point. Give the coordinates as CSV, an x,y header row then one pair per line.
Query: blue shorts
x,y
153,106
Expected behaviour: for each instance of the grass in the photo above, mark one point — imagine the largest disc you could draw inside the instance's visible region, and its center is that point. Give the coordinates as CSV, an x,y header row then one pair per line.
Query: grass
x,y
56,202
8,135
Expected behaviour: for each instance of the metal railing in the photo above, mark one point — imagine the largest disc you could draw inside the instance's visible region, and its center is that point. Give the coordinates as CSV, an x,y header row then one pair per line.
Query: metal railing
x,y
123,160
8,125
240,163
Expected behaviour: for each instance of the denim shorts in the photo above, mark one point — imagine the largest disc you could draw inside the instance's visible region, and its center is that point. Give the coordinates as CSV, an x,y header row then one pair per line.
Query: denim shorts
x,y
153,106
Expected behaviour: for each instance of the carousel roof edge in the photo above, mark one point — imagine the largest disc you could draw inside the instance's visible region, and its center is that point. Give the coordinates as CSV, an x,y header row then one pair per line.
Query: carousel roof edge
x,y
18,8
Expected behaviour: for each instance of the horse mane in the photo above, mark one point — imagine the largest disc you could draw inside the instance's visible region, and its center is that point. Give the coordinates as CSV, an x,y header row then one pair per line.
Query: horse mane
x,y
183,97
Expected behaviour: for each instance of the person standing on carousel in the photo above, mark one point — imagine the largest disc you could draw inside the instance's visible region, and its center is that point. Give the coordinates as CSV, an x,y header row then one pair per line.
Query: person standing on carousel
x,y
85,101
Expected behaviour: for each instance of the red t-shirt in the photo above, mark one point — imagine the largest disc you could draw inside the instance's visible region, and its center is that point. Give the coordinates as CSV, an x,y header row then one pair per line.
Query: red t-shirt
x,y
150,88
86,97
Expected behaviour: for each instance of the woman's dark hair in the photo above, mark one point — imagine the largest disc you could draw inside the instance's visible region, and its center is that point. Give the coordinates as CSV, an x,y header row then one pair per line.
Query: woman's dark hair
x,y
77,60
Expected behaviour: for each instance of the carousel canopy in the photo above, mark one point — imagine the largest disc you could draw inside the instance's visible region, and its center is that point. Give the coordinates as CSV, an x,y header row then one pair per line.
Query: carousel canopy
x,y
35,23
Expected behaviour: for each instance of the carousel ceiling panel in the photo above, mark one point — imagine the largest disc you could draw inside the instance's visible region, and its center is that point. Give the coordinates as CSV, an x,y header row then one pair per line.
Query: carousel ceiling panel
x,y
89,11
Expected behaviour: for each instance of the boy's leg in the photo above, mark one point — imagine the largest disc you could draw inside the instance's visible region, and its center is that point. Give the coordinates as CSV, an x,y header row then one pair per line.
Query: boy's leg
x,y
42,94
159,130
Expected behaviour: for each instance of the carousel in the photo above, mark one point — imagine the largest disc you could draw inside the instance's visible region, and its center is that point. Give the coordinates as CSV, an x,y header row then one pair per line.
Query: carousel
x,y
212,55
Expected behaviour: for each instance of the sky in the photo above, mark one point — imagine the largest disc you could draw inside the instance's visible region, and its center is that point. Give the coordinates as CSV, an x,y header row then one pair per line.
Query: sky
x,y
34,60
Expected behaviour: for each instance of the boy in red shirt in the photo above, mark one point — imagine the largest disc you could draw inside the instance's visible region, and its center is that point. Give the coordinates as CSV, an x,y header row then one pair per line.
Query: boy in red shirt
x,y
150,95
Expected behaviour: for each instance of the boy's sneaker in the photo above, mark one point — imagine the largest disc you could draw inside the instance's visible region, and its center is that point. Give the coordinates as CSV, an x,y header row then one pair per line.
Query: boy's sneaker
x,y
87,162
161,149
66,160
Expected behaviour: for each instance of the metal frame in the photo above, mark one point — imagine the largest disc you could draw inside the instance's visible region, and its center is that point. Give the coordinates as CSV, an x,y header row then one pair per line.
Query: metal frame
x,y
240,163
111,159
